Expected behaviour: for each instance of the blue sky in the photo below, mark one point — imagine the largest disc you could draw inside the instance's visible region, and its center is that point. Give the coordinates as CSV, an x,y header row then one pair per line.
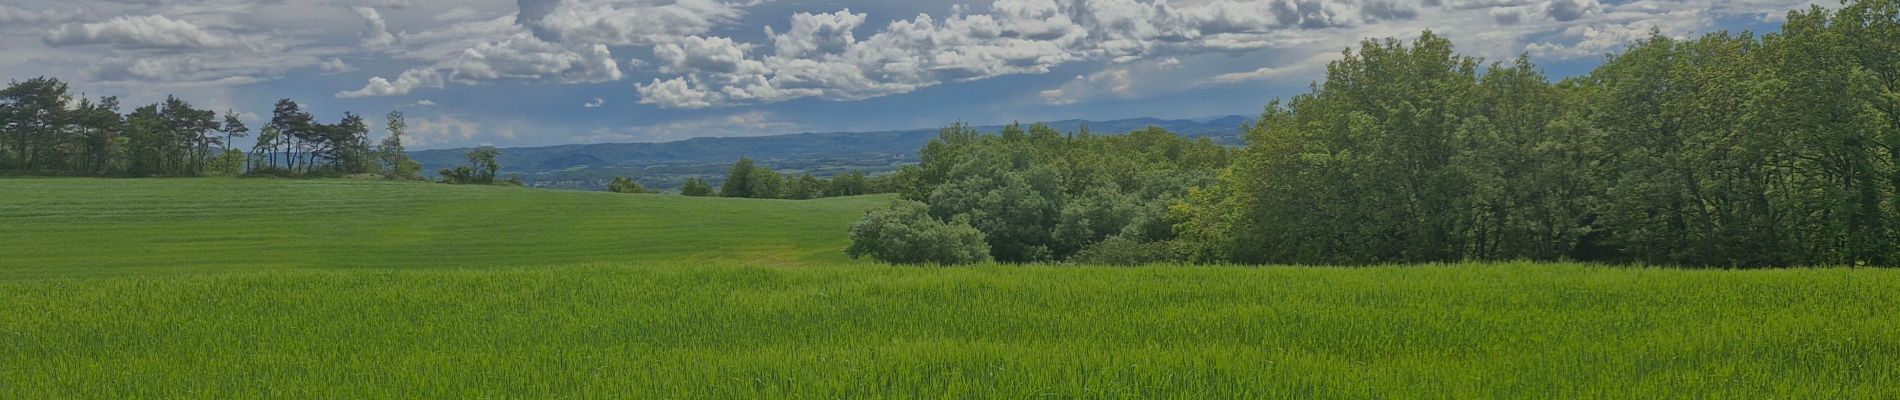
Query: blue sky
x,y
543,72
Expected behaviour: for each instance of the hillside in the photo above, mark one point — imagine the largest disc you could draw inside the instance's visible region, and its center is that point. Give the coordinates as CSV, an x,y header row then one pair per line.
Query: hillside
x,y
664,165
71,226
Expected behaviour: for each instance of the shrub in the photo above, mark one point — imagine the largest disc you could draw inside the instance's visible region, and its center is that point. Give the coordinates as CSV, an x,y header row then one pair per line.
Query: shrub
x,y
905,233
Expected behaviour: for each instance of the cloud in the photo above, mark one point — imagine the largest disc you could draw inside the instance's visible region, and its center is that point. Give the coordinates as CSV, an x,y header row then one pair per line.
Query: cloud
x,y
822,56
701,54
148,31
519,58
812,34
1307,66
619,23
459,13
334,66
405,83
595,103
376,31
425,103
17,15
1571,10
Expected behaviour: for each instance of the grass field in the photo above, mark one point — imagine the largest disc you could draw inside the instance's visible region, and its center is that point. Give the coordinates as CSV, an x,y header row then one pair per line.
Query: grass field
x,y
163,289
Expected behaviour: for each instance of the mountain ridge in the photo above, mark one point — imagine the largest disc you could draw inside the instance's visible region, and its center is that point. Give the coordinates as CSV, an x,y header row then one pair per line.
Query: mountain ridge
x,y
891,145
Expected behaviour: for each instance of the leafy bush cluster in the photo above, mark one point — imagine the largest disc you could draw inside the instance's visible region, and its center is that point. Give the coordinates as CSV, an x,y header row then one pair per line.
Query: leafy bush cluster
x,y
1037,195
904,233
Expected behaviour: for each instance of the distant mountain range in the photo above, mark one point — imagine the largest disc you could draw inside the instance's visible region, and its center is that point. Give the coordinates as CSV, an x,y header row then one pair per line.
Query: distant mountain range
x,y
587,166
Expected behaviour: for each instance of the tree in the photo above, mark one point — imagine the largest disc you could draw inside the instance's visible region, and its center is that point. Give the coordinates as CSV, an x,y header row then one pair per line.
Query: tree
x,y
623,184
482,166
233,128
395,160
905,233
739,179
804,187
696,187
32,113
747,179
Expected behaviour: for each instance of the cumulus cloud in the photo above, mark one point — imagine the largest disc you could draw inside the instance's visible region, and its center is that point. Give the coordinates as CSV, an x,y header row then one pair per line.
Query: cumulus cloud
x,y
147,31
376,31
409,81
622,23
1571,10
595,103
334,66
425,103
521,57
823,56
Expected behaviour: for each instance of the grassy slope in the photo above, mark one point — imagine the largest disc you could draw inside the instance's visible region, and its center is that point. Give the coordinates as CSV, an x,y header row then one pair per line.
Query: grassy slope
x,y
178,312
62,227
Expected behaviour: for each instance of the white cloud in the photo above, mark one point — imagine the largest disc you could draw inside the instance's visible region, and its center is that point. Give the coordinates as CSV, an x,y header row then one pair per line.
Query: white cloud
x,y
334,65
148,31
701,54
595,103
1309,66
425,103
1571,10
526,58
521,57
408,81
622,23
376,31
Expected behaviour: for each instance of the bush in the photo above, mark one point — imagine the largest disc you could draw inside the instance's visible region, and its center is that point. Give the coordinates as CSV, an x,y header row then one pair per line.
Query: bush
x,y
905,233
1123,251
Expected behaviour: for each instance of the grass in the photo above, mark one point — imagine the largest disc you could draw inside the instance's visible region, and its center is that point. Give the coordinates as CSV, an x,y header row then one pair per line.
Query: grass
x,y
65,227
536,313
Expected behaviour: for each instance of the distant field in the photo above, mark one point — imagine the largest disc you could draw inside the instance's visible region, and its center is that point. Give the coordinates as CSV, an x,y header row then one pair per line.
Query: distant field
x,y
160,289
65,227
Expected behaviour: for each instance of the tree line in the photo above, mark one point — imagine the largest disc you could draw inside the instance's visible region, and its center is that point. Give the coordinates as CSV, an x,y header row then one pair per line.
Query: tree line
x,y
1727,150
47,132
749,179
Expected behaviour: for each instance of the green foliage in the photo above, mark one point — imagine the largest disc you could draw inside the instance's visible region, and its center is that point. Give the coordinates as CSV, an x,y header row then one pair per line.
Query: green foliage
x,y
231,163
626,185
747,179
696,187
1039,195
1124,251
394,160
905,233
1728,150
481,169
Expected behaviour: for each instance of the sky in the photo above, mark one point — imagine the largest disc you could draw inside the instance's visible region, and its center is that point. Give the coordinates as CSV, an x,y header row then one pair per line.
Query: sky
x,y
547,72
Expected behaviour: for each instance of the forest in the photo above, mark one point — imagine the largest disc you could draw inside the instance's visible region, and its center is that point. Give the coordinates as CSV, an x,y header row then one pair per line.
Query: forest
x,y
1727,150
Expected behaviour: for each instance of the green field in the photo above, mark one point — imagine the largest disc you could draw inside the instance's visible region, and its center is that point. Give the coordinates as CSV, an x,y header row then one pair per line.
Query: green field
x,y
348,289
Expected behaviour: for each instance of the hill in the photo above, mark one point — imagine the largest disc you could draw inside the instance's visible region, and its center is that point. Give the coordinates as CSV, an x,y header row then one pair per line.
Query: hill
x,y
665,165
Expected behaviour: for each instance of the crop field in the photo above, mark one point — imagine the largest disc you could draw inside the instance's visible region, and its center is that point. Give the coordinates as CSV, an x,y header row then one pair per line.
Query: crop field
x,y
196,288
